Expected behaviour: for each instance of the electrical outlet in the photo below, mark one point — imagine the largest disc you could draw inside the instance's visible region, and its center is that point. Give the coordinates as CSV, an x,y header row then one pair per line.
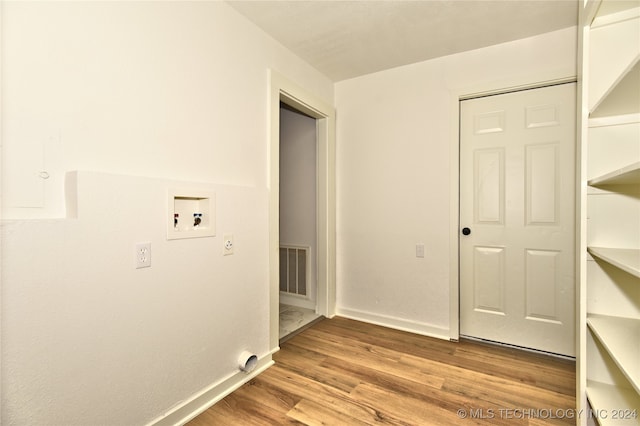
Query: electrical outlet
x,y
228,244
420,250
143,255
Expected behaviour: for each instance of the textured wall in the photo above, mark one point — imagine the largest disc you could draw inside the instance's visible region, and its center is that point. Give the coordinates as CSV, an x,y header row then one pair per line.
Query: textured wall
x,y
142,96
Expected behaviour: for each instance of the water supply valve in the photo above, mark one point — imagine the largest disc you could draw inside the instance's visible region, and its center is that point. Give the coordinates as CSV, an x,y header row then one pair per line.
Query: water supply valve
x,y
197,219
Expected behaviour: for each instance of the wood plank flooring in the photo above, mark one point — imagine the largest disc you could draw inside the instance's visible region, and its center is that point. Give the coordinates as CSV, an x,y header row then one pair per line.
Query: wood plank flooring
x,y
345,372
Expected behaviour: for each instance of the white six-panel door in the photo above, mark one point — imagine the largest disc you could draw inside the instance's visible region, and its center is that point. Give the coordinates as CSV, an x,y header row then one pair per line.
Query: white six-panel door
x,y
517,180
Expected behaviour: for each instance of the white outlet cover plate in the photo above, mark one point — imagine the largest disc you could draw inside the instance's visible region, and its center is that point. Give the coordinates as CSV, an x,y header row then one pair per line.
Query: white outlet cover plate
x,y
143,255
227,241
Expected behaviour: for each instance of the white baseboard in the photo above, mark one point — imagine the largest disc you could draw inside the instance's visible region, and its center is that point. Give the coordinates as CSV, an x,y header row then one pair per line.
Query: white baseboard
x,y
295,300
201,401
395,323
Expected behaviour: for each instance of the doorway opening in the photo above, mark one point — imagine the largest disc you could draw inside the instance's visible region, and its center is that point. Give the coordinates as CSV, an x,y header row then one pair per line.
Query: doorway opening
x,y
289,97
298,228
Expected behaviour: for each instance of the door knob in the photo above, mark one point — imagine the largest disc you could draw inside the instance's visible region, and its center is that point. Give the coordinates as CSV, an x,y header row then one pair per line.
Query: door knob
x,y
466,231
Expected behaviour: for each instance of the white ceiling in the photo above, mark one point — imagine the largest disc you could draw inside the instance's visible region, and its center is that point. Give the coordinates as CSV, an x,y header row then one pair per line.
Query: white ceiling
x,y
345,39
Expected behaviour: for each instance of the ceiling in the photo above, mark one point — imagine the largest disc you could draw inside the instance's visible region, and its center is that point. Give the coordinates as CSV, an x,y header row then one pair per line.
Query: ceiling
x,y
345,39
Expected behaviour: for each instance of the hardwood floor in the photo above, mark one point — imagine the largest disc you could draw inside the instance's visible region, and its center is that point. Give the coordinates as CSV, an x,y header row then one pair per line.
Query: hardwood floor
x,y
344,372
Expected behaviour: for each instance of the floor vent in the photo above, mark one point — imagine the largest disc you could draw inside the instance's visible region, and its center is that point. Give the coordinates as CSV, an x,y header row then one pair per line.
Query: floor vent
x,y
293,269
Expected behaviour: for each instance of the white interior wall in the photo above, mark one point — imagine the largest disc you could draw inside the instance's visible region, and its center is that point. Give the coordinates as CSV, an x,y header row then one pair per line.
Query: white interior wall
x,y
143,96
394,131
298,191
143,88
165,89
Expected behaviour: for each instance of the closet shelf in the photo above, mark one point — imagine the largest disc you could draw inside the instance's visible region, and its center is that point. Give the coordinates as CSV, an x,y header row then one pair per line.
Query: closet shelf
x,y
615,120
626,259
607,399
628,175
615,72
605,12
622,97
621,339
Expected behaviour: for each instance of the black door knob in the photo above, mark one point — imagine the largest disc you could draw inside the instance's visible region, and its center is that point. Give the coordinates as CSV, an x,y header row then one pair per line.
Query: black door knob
x,y
466,231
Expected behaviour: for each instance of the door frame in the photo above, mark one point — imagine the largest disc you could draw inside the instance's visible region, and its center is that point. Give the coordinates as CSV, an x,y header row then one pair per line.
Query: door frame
x,y
456,96
281,89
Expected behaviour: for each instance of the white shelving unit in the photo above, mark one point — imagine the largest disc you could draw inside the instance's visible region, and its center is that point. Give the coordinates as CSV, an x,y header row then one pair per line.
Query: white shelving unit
x,y
610,250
